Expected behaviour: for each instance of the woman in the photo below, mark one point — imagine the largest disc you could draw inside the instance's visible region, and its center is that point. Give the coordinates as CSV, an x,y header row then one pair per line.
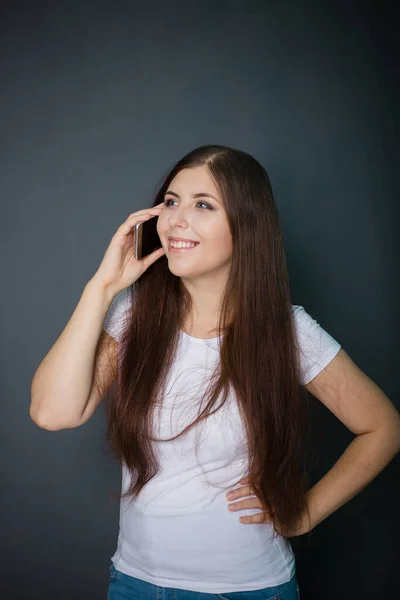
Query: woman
x,y
209,391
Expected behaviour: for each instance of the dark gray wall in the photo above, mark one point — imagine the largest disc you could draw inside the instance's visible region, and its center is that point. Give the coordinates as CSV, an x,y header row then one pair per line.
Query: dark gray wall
x,y
98,100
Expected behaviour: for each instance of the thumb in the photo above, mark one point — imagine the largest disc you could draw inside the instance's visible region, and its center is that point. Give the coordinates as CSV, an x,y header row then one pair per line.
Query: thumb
x,y
151,258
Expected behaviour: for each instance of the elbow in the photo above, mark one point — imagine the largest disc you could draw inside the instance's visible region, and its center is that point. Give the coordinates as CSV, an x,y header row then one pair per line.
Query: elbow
x,y
49,422
43,422
41,416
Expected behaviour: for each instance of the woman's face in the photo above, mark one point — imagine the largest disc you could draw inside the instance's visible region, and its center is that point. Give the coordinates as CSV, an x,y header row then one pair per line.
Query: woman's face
x,y
201,219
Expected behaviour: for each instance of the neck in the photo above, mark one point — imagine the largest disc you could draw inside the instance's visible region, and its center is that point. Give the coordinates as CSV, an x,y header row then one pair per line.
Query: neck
x,y
206,300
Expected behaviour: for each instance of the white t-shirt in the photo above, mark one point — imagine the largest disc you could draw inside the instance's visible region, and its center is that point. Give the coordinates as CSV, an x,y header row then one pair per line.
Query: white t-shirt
x,y
179,532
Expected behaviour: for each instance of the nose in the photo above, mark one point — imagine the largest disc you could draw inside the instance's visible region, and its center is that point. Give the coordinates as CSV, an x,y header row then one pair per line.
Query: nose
x,y
177,218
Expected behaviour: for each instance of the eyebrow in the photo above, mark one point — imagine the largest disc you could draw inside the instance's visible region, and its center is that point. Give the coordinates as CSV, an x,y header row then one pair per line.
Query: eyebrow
x,y
199,195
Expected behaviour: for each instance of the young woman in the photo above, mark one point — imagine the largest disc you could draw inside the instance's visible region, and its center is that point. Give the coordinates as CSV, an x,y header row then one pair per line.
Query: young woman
x,y
207,363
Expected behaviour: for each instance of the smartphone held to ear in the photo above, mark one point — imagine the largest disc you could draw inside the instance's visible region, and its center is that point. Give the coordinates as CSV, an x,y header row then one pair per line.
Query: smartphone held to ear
x,y
145,238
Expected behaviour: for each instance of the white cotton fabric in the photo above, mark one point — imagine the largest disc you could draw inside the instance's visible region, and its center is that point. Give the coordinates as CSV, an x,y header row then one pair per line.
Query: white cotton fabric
x,y
179,533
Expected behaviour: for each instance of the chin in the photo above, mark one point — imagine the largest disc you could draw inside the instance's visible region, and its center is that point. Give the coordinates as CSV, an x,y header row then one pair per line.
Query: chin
x,y
182,271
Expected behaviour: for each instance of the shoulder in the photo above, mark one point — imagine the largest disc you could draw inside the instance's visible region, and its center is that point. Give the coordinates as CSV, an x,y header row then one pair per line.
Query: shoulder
x,y
316,346
115,319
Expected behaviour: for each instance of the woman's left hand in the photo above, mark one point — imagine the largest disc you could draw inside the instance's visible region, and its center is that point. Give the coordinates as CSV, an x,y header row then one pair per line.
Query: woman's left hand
x,y
254,502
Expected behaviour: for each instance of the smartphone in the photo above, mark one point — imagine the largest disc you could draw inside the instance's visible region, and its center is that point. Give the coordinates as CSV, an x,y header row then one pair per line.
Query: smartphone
x,y
145,238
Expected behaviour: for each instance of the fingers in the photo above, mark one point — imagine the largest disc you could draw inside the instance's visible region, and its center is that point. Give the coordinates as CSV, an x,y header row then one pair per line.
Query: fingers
x,y
138,217
145,211
242,504
254,502
258,518
149,210
246,490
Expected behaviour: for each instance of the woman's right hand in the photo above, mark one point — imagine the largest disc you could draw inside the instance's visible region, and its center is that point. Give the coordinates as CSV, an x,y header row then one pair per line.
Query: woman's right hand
x,y
119,268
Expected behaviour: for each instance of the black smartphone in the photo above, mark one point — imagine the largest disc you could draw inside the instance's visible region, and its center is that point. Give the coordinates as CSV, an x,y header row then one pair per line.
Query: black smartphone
x,y
146,238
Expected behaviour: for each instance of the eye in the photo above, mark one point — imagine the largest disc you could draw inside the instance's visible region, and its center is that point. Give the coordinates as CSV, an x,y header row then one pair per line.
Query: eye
x,y
167,200
205,204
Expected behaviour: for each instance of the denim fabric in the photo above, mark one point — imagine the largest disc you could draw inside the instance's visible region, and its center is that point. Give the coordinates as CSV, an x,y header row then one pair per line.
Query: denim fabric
x,y
125,587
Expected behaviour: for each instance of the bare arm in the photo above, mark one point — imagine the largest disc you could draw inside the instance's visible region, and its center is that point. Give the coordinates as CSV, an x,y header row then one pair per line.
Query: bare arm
x,y
62,390
80,367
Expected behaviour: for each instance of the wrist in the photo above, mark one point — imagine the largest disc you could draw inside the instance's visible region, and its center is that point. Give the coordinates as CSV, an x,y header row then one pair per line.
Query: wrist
x,y
98,287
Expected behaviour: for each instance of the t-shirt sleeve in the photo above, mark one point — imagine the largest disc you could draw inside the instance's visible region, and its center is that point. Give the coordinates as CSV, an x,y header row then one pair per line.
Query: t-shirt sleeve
x,y
316,346
115,320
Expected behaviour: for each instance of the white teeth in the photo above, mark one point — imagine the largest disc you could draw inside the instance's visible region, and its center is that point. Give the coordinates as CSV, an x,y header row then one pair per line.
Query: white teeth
x,y
181,245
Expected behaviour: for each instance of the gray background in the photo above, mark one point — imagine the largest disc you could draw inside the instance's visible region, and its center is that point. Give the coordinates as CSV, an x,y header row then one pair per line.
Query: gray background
x,y
98,100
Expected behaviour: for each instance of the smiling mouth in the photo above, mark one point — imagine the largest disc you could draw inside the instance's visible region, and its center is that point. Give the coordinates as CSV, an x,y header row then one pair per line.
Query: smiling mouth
x,y
180,248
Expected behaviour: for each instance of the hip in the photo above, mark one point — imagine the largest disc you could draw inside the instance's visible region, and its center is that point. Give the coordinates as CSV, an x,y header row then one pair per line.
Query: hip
x,y
122,586
162,544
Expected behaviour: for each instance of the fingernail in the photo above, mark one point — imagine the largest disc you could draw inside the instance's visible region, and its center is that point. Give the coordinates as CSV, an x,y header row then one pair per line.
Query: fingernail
x,y
230,496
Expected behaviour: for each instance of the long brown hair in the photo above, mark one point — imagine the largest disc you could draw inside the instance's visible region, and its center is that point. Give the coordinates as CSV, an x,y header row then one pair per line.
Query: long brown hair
x,y
259,357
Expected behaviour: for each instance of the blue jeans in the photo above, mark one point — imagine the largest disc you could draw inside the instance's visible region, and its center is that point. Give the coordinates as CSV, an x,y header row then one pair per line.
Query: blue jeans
x,y
125,587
